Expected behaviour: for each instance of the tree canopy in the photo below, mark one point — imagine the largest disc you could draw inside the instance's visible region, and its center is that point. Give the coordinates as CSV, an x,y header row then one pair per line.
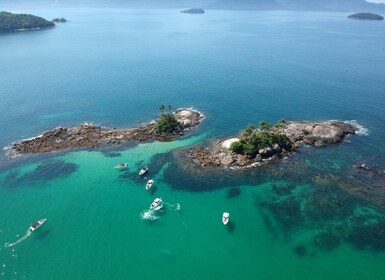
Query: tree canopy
x,y
253,139
13,22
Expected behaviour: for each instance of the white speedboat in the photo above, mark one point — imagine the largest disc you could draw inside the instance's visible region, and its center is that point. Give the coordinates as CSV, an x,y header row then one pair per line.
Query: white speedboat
x,y
156,204
121,165
149,184
143,171
225,218
34,226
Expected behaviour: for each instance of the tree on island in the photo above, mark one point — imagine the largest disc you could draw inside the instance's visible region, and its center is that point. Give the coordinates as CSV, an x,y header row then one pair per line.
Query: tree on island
x,y
162,108
264,126
253,139
166,123
281,124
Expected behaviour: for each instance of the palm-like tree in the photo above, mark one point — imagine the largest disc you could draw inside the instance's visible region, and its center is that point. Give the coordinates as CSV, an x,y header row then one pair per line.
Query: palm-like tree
x,y
264,126
162,108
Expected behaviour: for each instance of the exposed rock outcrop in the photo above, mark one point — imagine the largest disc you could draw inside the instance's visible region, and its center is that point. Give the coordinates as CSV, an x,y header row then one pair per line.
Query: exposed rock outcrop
x,y
311,133
89,135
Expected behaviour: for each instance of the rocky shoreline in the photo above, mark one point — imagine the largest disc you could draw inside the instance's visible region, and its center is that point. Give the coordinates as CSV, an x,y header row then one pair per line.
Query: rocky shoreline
x,y
91,136
317,134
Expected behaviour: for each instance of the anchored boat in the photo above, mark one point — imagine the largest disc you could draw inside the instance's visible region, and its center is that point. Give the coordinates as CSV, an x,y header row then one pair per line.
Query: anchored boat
x,y
143,171
121,165
149,184
225,218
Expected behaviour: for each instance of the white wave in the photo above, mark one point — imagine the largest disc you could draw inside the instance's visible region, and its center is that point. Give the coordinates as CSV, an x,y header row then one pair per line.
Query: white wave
x,y
149,215
361,130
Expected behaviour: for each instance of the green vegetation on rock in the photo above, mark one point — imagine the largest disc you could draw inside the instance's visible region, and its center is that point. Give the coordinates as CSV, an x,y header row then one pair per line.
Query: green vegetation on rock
x,y
166,123
16,22
253,139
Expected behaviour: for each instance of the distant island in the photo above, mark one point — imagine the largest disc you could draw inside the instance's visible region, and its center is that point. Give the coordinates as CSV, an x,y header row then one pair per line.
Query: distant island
x,y
20,22
366,16
193,11
59,20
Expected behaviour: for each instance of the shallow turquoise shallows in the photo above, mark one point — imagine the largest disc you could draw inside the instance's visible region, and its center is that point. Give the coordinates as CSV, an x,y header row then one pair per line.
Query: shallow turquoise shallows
x,y
300,219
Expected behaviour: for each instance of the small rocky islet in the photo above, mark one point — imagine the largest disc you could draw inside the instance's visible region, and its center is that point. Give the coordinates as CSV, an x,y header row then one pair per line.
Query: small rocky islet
x,y
167,127
59,20
258,146
366,16
193,11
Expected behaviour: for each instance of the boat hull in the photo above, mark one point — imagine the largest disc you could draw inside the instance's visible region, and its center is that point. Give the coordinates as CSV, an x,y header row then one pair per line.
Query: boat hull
x,y
225,218
36,225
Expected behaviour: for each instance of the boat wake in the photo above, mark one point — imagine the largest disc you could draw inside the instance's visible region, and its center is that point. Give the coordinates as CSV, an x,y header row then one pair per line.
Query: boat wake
x,y
28,234
173,207
149,215
154,214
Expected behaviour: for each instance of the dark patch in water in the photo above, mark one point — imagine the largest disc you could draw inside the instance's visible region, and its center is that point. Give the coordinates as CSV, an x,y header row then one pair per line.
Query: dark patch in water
x,y
269,225
301,250
46,171
368,237
286,212
112,154
328,203
233,192
153,190
125,175
43,234
282,190
230,227
11,179
52,170
196,178
327,241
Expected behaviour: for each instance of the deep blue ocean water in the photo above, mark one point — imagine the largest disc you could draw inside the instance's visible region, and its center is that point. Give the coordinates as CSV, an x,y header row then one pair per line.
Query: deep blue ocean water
x,y
114,67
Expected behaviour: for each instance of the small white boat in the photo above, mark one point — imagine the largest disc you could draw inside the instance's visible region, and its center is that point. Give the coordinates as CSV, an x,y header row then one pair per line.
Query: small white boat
x,y
156,204
225,218
121,165
149,184
34,226
143,171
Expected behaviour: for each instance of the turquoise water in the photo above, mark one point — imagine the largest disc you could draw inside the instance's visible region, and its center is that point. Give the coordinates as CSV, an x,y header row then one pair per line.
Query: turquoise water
x,y
297,220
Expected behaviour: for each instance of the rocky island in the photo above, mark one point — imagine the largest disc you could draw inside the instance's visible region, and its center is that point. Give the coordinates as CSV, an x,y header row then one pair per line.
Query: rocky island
x,y
22,22
258,146
59,20
366,16
193,11
166,128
